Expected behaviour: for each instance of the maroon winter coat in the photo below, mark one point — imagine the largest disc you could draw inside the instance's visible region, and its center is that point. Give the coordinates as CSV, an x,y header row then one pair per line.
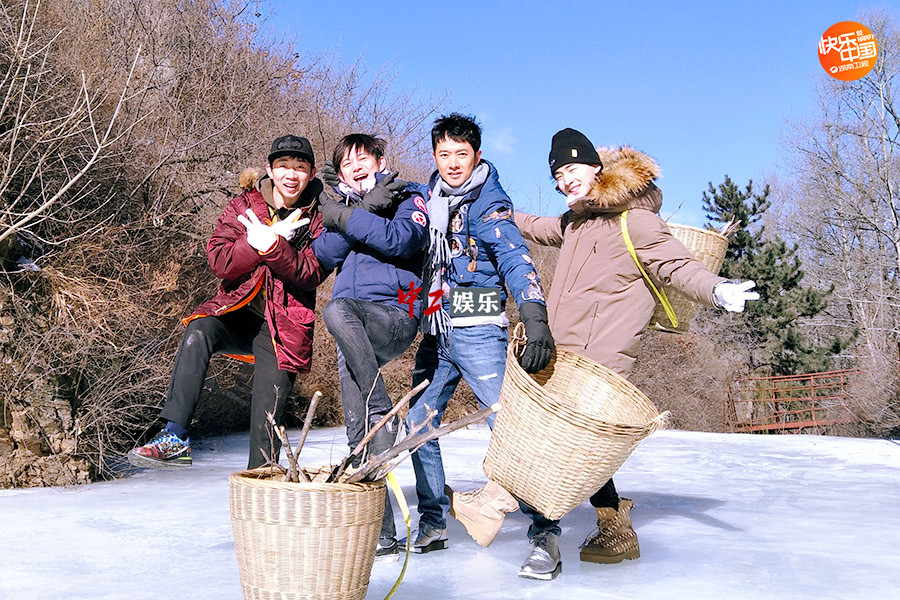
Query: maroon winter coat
x,y
287,275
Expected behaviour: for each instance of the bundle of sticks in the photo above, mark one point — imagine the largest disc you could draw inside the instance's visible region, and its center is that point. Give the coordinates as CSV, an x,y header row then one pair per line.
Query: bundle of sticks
x,y
379,465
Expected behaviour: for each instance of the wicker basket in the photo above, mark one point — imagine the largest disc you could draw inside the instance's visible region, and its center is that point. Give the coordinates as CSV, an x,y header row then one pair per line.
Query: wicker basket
x,y
304,541
709,248
563,432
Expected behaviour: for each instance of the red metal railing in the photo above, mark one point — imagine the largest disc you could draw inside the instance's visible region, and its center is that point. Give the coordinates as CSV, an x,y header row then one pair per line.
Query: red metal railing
x,y
789,403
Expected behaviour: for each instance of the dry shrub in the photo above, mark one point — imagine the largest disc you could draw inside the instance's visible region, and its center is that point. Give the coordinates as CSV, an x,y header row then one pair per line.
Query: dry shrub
x,y
123,255
872,398
688,375
81,337
683,374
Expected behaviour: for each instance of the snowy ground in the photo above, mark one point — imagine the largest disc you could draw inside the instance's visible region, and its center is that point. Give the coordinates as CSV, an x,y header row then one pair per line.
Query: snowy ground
x,y
718,516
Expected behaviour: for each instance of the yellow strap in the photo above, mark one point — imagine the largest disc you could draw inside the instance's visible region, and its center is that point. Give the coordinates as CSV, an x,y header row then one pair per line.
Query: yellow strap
x,y
660,294
401,500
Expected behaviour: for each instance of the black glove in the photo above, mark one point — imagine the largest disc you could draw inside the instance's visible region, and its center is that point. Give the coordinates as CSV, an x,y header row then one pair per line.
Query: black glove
x,y
382,196
539,347
334,214
330,175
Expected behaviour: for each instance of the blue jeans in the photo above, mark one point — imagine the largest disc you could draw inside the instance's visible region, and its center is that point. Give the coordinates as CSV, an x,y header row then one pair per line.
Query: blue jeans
x,y
477,353
369,335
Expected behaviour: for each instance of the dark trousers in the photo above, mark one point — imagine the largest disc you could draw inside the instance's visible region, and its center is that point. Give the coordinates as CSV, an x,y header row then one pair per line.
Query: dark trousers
x,y
241,332
605,497
368,335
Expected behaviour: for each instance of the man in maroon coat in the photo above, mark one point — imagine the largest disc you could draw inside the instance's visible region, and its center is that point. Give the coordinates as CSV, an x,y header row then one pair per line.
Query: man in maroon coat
x,y
263,313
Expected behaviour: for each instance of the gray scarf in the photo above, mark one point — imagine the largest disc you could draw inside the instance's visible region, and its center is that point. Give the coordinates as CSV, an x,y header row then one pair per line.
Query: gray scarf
x,y
444,200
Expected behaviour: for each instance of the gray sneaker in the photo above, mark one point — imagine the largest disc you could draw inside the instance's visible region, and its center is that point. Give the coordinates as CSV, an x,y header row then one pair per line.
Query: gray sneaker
x,y
388,550
427,539
543,563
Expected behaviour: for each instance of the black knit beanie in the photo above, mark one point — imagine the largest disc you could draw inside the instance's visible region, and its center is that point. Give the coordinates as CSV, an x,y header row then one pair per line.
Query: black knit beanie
x,y
571,146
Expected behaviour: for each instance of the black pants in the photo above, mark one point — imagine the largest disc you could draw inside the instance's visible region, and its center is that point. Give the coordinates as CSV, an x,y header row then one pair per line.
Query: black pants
x,y
605,497
368,335
241,332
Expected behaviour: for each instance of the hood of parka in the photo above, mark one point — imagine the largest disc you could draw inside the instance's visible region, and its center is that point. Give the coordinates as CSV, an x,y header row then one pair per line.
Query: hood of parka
x,y
625,182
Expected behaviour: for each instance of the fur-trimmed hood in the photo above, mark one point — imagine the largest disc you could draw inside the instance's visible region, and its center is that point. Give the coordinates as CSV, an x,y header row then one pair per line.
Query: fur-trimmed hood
x,y
249,177
626,181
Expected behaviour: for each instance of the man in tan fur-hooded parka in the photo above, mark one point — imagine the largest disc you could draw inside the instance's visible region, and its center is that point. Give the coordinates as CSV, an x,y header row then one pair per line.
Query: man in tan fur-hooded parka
x,y
599,303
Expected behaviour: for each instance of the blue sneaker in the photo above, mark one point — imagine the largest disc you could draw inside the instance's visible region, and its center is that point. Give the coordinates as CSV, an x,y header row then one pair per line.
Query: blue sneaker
x,y
165,451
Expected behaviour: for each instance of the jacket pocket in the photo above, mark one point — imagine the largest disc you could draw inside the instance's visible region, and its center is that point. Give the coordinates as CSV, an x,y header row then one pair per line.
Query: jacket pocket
x,y
293,337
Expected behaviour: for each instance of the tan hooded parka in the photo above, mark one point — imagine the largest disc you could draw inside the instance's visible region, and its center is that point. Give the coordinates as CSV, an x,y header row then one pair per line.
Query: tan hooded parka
x,y
599,304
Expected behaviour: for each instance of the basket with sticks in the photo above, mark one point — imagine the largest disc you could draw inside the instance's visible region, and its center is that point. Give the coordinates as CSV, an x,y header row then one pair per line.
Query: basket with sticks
x,y
311,533
563,432
304,541
708,247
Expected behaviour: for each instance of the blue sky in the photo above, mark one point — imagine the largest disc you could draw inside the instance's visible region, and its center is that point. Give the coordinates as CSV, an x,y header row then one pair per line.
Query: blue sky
x,y
706,89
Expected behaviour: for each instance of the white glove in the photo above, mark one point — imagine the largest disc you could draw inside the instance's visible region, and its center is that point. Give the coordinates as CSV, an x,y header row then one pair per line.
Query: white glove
x,y
732,296
260,236
287,227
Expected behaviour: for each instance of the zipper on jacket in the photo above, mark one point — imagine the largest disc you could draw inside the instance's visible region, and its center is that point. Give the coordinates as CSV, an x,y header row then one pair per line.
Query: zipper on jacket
x,y
591,327
586,260
227,309
246,300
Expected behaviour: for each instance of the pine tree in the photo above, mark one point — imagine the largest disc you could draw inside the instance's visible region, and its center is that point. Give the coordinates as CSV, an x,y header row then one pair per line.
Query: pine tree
x,y
745,208
772,321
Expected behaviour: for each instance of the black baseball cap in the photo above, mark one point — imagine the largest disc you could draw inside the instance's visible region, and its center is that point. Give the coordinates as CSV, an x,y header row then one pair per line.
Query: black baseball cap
x,y
292,145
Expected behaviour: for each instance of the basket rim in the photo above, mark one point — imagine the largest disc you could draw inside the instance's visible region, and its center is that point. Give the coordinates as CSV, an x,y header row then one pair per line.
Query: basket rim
x,y
261,477
592,364
697,229
577,418
588,422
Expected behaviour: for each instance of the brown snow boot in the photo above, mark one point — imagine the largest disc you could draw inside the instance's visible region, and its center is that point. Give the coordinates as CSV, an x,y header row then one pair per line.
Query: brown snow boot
x,y
614,540
482,511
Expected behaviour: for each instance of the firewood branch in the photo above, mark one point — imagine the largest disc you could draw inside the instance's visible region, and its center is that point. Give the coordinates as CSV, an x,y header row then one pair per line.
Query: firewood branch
x,y
414,442
340,468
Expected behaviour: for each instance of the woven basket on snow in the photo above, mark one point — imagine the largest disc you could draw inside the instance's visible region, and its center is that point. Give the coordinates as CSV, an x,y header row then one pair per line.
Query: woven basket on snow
x,y
304,541
562,433
709,248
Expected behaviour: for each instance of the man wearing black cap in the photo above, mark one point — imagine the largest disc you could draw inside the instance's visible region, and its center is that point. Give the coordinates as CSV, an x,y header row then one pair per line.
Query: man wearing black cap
x,y
263,312
600,309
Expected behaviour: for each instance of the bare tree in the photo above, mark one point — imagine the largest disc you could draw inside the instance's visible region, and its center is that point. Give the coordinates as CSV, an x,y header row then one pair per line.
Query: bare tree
x,y
845,214
88,335
51,133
